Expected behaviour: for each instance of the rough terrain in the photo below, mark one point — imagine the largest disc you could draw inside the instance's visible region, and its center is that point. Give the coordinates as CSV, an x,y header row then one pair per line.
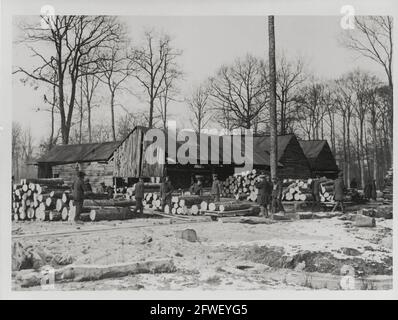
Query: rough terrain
x,y
302,254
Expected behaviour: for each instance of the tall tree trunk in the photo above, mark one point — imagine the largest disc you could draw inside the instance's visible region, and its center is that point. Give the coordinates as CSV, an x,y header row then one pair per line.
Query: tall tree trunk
x,y
345,154
89,121
50,145
362,153
151,107
81,112
113,115
272,74
348,151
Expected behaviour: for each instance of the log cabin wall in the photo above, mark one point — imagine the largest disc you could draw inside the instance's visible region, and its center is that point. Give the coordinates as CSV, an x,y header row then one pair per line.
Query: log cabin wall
x,y
129,157
96,172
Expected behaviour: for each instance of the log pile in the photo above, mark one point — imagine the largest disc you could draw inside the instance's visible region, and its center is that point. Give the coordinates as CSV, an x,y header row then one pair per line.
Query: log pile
x,y
48,200
297,190
242,187
188,205
36,198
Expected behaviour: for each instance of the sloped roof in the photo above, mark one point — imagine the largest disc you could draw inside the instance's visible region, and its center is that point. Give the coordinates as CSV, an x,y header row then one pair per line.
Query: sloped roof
x,y
260,148
87,152
319,155
312,148
262,143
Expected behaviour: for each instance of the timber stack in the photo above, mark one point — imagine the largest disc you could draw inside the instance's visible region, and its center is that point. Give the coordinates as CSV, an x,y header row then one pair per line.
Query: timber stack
x,y
45,200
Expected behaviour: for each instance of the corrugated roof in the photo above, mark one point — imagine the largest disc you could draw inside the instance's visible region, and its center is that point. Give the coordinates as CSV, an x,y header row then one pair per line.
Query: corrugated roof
x,y
312,148
87,152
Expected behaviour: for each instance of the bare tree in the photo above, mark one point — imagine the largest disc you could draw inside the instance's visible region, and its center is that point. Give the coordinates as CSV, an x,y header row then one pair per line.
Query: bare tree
x,y
89,86
273,118
199,106
290,75
72,39
16,148
128,121
154,63
240,91
372,38
116,69
311,110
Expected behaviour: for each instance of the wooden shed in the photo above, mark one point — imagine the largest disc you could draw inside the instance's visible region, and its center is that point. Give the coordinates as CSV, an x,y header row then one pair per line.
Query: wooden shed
x,y
292,161
95,159
320,158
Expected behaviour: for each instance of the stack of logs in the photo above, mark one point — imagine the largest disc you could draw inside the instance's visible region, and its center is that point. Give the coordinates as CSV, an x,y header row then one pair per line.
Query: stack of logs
x,y
242,187
51,200
188,205
33,198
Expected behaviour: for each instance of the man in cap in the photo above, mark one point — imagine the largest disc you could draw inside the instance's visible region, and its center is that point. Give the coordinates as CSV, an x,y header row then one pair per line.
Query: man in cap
x,y
87,185
276,205
78,194
339,189
216,188
196,188
139,195
166,189
315,190
264,194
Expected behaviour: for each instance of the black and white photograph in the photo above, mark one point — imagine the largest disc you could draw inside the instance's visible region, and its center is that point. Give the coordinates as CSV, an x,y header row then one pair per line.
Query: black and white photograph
x,y
161,149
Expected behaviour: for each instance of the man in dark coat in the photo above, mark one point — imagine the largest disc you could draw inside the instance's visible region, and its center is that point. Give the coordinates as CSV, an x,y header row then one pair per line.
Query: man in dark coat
x,y
139,196
166,189
87,186
354,183
367,191
339,190
196,188
78,194
315,189
276,205
264,194
373,190
216,188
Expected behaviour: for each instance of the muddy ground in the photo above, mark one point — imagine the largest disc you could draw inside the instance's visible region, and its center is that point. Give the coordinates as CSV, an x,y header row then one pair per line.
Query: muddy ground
x,y
301,254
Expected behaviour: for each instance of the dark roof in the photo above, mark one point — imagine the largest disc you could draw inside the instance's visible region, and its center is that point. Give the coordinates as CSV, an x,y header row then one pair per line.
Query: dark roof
x,y
319,155
262,143
312,148
88,152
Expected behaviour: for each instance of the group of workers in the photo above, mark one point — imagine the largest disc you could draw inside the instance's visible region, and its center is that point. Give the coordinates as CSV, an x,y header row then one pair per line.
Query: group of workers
x,y
166,190
269,193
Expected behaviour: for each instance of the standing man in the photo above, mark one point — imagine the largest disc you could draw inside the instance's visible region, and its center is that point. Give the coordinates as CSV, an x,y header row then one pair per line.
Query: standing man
x,y
139,195
373,190
216,188
276,204
264,194
166,189
87,186
78,194
196,189
339,192
315,190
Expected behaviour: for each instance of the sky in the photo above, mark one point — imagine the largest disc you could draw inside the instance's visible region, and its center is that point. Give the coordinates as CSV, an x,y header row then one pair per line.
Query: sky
x,y
207,42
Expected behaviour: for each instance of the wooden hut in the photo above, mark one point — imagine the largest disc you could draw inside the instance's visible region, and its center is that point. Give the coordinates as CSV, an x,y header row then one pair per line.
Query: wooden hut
x,y
320,157
95,159
291,159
